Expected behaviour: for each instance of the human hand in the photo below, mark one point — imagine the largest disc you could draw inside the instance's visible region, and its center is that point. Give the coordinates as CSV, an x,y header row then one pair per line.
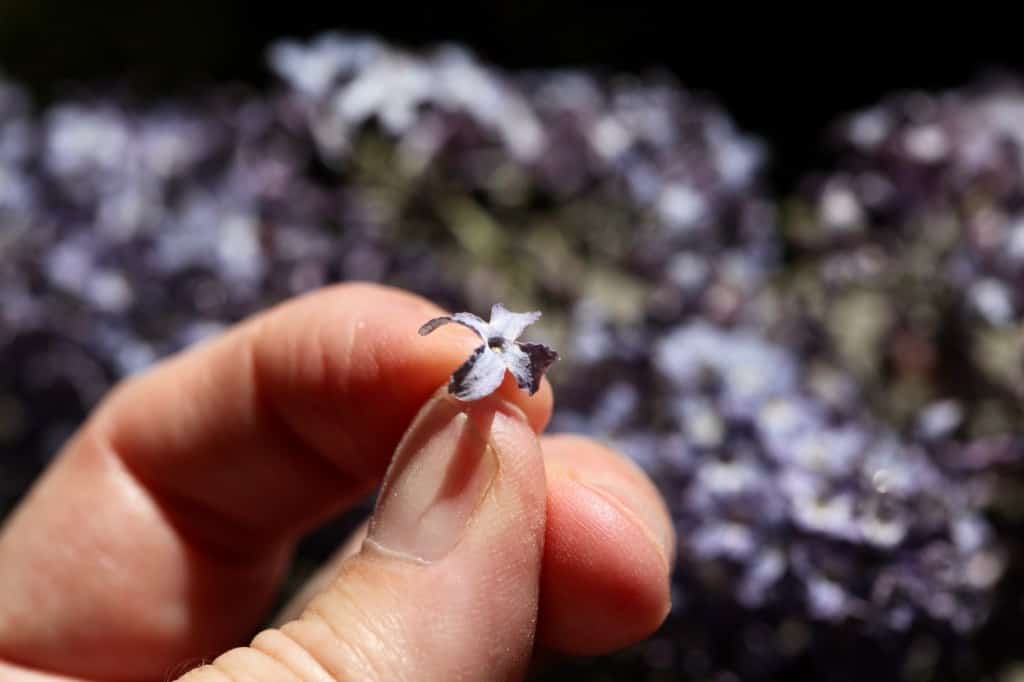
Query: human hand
x,y
161,534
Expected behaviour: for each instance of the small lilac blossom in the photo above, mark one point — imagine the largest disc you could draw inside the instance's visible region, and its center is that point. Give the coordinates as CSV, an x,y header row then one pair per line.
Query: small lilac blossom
x,y
484,371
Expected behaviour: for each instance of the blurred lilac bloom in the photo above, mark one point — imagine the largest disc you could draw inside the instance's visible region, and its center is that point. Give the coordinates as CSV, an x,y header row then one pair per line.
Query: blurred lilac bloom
x,y
485,369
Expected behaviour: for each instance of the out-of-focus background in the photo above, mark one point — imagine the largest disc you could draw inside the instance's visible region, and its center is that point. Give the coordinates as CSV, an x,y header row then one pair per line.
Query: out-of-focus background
x,y
785,79
785,270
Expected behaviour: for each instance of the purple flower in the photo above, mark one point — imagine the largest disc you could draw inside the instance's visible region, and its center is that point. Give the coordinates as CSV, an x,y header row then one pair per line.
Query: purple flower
x,y
485,369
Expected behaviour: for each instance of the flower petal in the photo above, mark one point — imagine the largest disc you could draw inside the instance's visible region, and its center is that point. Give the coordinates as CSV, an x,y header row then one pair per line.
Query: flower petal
x,y
478,376
508,324
465,319
528,362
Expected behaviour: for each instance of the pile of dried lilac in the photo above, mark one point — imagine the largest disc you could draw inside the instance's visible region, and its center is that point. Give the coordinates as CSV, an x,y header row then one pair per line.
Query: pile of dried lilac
x,y
834,432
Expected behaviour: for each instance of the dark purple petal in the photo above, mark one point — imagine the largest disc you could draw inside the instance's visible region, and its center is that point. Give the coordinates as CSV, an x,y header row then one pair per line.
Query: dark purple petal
x,y
465,319
479,376
528,362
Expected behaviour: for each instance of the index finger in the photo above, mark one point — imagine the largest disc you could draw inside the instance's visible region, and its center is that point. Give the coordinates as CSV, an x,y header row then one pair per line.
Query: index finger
x,y
172,512
338,375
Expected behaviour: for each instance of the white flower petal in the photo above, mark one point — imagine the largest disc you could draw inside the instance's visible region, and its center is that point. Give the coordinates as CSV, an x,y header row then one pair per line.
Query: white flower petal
x,y
509,325
479,376
465,319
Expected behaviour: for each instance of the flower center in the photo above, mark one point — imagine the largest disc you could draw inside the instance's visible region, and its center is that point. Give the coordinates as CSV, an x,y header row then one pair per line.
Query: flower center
x,y
496,343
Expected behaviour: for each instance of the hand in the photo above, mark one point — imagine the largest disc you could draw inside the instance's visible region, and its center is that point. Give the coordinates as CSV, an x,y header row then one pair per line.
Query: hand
x,y
161,534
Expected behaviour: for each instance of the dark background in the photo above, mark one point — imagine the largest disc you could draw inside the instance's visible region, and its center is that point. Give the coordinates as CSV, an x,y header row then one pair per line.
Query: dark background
x,y
783,75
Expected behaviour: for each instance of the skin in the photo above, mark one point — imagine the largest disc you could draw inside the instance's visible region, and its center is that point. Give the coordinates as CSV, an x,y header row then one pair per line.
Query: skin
x,y
160,535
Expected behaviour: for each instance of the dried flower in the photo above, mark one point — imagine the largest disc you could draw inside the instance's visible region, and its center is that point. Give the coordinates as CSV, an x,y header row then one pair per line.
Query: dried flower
x,y
485,369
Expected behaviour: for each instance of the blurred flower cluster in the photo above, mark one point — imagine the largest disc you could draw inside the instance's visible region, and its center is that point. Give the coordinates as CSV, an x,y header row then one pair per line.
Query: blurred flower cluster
x,y
830,431
912,255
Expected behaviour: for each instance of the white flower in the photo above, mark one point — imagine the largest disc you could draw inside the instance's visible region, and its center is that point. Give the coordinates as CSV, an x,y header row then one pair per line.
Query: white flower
x,y
485,369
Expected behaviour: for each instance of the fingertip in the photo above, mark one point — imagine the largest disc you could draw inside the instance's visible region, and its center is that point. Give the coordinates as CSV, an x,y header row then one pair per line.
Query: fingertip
x,y
608,553
604,584
618,478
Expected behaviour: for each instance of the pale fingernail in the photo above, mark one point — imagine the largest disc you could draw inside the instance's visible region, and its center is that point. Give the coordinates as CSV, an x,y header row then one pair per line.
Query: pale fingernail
x,y
438,477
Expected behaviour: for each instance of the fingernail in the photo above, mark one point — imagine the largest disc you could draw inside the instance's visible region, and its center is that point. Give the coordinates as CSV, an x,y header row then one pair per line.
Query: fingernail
x,y
438,477
651,521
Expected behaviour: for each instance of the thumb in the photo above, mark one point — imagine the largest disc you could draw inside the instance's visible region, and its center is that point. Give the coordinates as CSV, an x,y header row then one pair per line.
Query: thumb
x,y
446,584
